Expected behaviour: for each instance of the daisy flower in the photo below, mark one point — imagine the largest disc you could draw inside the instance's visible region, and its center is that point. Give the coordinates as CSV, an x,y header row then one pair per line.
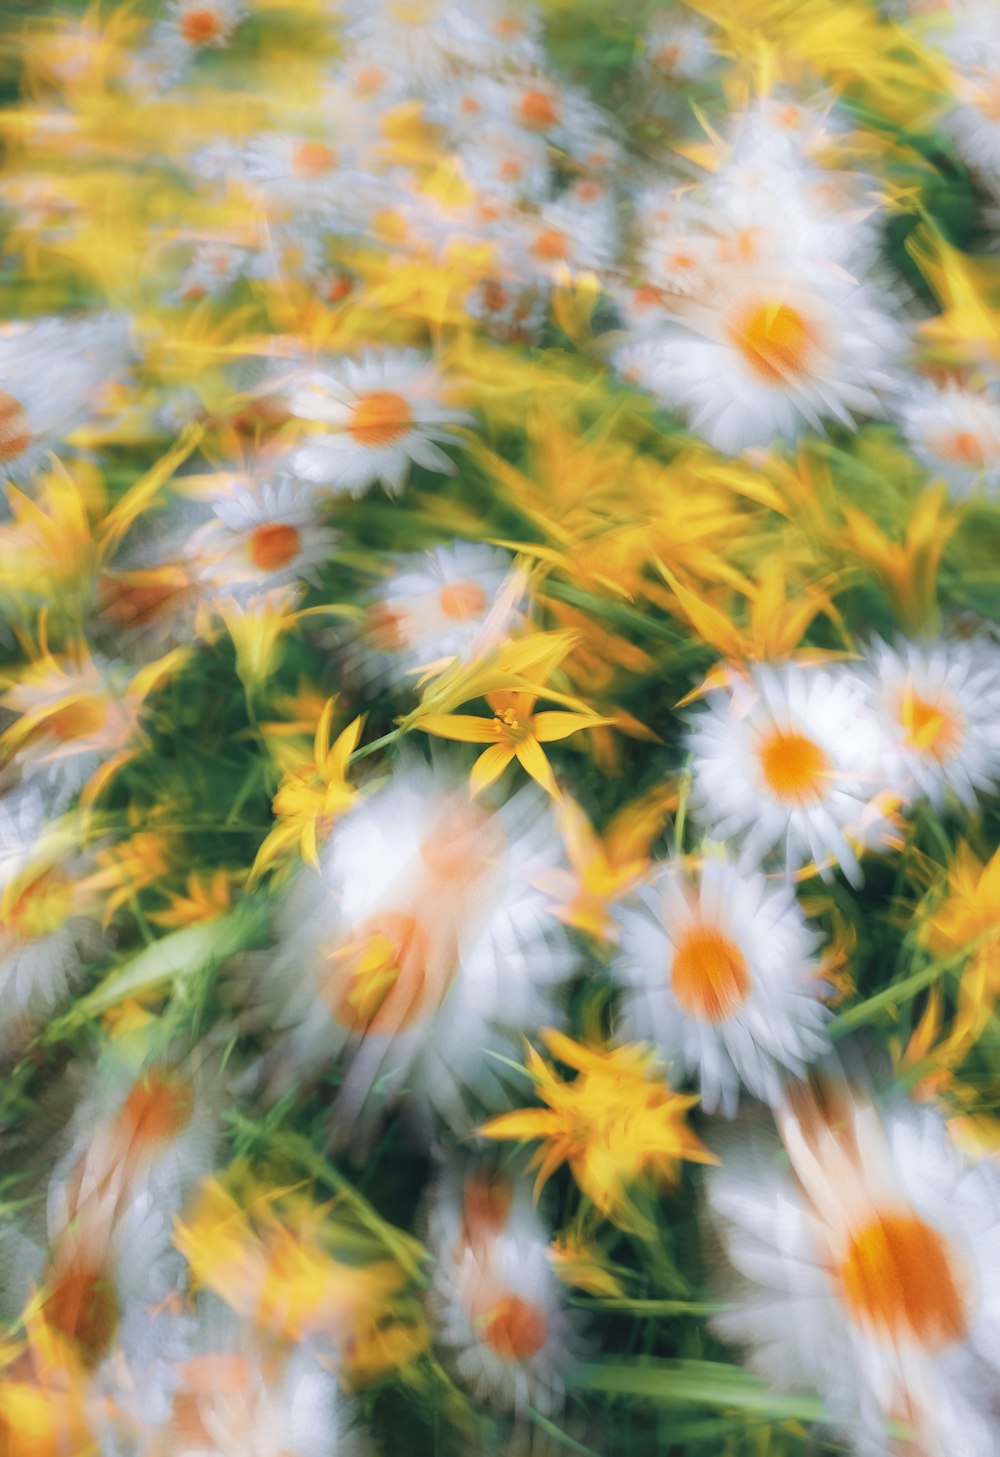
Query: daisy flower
x,y
374,417
495,1300
260,538
236,1395
720,975
421,946
198,25
939,706
48,914
765,357
866,1267
428,40
955,431
789,760
678,50
445,604
52,372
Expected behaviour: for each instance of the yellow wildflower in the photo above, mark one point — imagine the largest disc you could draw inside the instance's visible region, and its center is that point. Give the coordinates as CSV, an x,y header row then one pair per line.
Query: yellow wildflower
x,y
617,1124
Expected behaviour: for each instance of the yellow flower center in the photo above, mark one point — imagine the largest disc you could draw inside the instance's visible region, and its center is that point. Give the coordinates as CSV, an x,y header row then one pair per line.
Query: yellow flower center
x,y
274,545
794,766
34,910
930,728
709,976
462,600
515,1329
15,428
507,725
898,1277
380,419
774,340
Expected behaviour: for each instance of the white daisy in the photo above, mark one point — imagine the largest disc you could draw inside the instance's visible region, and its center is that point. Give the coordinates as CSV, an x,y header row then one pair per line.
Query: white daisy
x,y
421,946
766,357
720,974
377,415
49,915
939,706
974,124
678,50
52,372
266,537
236,1395
955,431
867,1268
495,1299
428,40
198,25
790,760
446,604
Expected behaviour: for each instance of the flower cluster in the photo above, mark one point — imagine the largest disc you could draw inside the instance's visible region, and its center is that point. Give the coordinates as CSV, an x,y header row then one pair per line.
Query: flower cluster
x,y
500,728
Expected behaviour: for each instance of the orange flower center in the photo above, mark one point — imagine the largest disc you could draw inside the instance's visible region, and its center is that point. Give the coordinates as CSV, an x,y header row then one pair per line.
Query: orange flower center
x,y
383,628
709,976
774,340
462,600
667,57
83,1307
515,1330
963,448
380,419
201,27
383,981
537,110
493,296
930,728
41,906
274,545
552,245
142,598
794,766
156,1111
80,719
312,159
898,1277
15,429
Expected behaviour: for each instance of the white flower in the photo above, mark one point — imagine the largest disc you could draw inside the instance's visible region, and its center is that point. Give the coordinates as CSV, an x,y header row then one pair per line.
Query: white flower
x,y
197,25
955,431
261,538
867,1269
422,945
763,356
940,709
52,372
444,604
790,760
426,41
380,414
496,1300
720,973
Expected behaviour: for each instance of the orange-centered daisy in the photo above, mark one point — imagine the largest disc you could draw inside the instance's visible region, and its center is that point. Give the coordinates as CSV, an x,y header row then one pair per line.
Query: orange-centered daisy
x,y
775,340
274,545
380,419
794,766
898,1276
709,976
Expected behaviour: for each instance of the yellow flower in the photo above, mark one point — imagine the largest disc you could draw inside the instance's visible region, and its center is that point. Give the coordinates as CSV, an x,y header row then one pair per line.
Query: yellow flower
x,y
208,896
515,731
602,868
617,1125
582,1264
311,795
968,916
